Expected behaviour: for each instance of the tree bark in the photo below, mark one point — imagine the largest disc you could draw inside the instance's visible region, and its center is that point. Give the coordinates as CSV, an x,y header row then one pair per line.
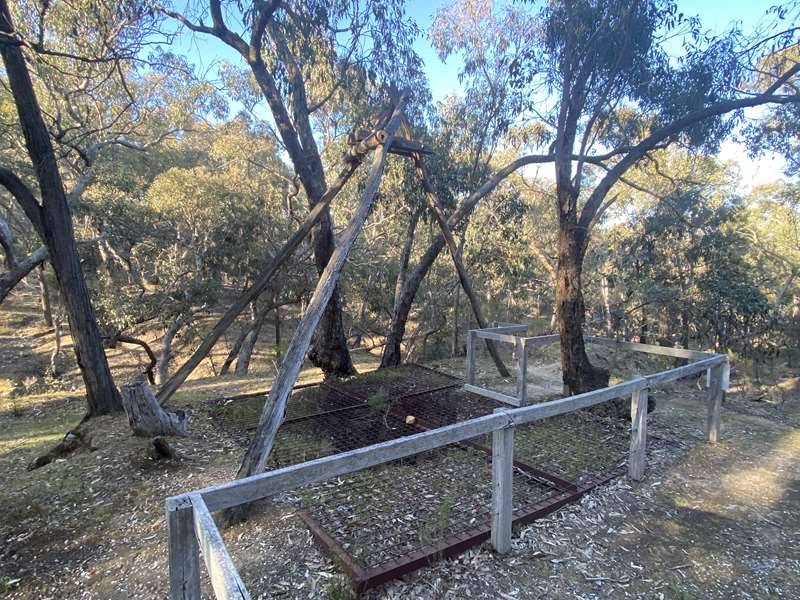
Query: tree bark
x,y
405,256
7,244
579,375
166,349
605,293
454,349
44,296
277,324
249,343
21,268
55,221
234,351
145,415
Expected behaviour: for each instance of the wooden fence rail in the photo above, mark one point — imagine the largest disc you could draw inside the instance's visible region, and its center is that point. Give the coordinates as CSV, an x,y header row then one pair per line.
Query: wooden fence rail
x,y
192,529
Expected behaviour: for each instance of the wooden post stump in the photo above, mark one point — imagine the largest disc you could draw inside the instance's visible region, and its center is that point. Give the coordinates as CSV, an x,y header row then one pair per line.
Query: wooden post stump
x,y
713,414
637,458
502,487
145,415
184,555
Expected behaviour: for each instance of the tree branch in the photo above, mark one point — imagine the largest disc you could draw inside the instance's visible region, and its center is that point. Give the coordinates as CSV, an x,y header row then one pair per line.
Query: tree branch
x,y
667,131
24,197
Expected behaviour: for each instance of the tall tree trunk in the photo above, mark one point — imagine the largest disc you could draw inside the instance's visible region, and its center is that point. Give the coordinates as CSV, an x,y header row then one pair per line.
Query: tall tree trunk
x,y
329,346
454,349
405,256
234,351
44,297
579,375
246,353
162,374
605,293
392,355
277,324
55,226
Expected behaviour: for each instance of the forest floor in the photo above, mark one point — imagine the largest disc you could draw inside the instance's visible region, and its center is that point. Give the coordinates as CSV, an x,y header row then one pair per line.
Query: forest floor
x,y
718,521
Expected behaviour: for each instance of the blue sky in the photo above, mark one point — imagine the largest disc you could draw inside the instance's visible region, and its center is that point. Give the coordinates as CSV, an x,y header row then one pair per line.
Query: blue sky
x,y
715,15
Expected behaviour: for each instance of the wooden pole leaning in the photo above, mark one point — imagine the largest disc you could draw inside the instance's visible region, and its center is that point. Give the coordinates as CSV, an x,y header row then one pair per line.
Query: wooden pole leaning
x,y
275,407
469,292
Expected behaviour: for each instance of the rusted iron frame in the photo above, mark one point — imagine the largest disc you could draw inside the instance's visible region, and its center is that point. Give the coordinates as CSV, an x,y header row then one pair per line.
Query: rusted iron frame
x,y
362,578
432,370
355,571
453,545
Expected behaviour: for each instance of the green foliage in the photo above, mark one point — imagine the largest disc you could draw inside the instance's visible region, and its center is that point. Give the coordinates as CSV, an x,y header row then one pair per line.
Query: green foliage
x,y
187,202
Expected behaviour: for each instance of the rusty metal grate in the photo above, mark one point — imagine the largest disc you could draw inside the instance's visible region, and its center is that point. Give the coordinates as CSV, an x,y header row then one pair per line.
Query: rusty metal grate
x,y
389,520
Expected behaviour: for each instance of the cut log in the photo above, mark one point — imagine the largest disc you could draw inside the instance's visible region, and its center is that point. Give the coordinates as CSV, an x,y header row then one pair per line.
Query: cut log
x,y
161,450
145,415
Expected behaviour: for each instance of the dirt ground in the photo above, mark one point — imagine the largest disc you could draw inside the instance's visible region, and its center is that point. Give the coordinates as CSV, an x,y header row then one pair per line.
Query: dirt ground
x,y
708,521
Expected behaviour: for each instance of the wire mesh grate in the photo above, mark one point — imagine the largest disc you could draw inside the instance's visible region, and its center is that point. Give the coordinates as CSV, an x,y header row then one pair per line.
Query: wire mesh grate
x,y
385,513
380,521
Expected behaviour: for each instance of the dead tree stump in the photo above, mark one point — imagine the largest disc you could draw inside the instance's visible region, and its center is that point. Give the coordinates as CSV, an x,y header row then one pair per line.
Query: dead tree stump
x,y
145,415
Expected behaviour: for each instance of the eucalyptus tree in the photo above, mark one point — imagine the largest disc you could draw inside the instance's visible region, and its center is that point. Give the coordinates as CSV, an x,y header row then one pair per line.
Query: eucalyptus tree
x,y
75,79
52,221
778,127
469,129
602,79
311,60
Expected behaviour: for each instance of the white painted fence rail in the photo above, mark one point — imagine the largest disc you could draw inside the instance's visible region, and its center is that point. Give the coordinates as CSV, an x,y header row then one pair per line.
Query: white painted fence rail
x,y
192,530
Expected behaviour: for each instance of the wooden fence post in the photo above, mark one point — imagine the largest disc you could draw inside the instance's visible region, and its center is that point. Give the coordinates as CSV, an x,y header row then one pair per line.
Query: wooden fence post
x,y
714,404
502,487
522,375
184,557
469,374
637,458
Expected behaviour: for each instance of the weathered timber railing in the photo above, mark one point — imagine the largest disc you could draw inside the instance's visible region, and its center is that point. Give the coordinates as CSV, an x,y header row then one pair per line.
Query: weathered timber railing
x,y
192,530
515,335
